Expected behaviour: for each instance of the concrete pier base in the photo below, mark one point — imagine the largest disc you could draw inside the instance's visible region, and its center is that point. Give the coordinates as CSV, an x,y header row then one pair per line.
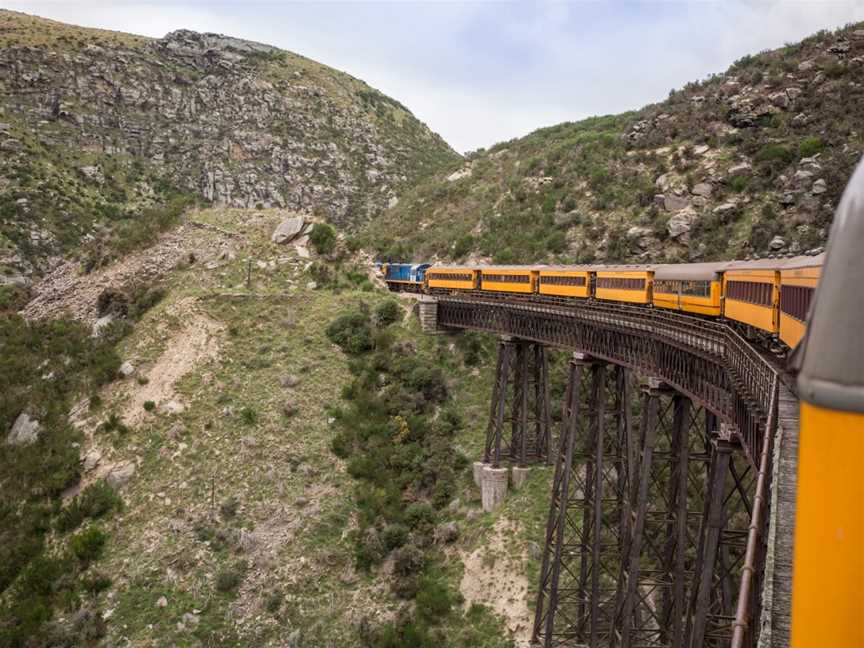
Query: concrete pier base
x,y
478,472
494,487
519,476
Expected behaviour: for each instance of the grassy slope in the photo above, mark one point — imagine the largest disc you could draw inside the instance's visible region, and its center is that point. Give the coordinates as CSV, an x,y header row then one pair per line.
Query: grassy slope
x,y
572,192
173,539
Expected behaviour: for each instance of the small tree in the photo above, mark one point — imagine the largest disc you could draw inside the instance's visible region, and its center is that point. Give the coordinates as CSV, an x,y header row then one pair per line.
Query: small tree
x,y
323,238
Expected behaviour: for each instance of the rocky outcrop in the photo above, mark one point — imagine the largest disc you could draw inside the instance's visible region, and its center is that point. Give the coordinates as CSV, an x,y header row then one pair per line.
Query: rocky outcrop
x,y
25,430
232,122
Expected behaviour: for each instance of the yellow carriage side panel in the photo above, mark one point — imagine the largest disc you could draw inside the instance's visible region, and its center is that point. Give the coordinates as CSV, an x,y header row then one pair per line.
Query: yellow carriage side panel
x,y
827,602
509,280
666,296
452,278
797,287
564,283
751,297
791,330
703,304
633,286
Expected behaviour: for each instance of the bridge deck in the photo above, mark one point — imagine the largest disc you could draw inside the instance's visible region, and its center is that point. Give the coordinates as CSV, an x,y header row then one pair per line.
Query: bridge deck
x,y
777,594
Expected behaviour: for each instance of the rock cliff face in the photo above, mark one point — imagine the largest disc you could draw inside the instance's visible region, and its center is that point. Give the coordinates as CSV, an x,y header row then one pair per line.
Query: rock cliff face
x,y
748,162
95,125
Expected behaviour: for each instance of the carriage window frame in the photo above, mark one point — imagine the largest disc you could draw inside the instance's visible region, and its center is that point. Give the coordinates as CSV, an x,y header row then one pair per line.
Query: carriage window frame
x,y
621,283
758,293
449,276
563,280
506,278
795,300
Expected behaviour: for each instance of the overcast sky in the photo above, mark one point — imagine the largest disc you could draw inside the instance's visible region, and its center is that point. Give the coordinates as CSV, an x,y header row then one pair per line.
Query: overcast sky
x,y
483,72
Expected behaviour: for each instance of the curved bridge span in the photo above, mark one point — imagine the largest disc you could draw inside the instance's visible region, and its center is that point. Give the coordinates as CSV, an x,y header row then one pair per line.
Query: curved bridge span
x,y
675,530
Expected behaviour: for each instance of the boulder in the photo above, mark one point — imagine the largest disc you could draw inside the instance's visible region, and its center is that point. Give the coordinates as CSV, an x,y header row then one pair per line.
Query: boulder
x,y
675,203
120,475
819,187
172,407
92,459
681,223
127,369
101,324
724,208
802,179
25,430
464,172
777,243
787,199
739,169
780,99
703,189
288,230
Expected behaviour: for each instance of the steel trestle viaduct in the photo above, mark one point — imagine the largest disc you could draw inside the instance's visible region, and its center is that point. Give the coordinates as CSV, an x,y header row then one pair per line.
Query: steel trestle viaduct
x,y
674,530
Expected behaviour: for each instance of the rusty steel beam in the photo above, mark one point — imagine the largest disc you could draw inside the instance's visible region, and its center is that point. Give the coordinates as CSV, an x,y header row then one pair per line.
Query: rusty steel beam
x,y
579,589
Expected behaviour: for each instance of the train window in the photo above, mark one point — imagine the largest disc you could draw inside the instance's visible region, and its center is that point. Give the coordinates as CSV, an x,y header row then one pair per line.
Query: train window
x,y
449,276
690,288
620,283
667,286
795,301
696,288
753,292
552,280
506,278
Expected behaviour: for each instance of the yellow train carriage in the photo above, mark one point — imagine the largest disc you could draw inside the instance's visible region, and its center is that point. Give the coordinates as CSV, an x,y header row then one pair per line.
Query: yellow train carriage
x,y
798,280
565,281
827,599
625,284
452,278
509,279
689,287
751,293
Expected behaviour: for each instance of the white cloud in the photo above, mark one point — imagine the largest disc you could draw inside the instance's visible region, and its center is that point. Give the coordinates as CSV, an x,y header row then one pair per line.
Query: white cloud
x,y
481,72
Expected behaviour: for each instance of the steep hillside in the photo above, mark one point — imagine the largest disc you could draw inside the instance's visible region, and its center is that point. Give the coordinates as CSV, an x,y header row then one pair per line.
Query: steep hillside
x,y
99,131
748,162
213,469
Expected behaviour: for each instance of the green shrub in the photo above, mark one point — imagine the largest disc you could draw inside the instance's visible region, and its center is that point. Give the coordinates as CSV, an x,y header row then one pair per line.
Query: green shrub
x,y
408,560
463,246
394,535
229,578
434,600
388,313
88,545
352,333
229,508
420,514
738,183
95,501
323,238
115,424
810,147
249,416
149,405
96,582
775,155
